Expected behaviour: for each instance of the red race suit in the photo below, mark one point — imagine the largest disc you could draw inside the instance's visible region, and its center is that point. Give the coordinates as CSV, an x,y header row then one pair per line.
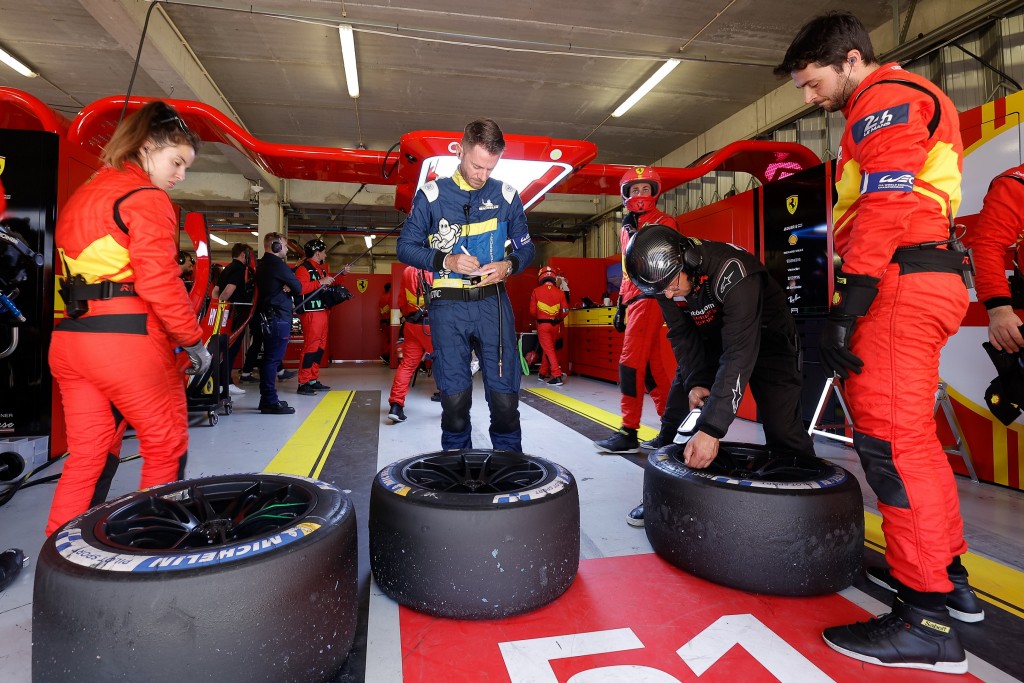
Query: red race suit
x,y
1000,227
417,331
315,318
548,306
898,185
641,363
115,363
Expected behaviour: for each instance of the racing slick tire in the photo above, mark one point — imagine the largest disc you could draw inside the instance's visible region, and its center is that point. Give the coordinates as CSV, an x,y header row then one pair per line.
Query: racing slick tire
x,y
242,577
788,525
474,534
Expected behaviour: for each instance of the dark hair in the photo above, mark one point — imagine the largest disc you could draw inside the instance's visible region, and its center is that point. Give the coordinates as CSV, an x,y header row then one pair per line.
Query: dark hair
x,y
484,132
387,286
157,122
826,40
239,248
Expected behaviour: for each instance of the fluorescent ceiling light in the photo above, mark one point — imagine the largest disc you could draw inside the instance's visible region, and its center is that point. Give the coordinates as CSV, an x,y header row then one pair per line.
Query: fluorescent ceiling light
x,y
218,240
369,241
253,232
654,80
13,62
348,58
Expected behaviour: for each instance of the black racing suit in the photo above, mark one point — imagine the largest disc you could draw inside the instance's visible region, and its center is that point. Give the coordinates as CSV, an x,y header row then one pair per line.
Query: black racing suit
x,y
735,329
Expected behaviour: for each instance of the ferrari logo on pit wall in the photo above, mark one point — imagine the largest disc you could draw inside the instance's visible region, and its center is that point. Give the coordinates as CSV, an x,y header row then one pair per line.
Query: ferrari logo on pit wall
x,y
361,285
791,202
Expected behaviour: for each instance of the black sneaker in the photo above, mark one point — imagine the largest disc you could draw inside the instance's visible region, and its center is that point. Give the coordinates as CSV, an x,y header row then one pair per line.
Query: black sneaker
x,y
248,378
436,397
622,441
286,374
655,443
397,413
555,381
908,638
543,378
316,384
636,516
962,603
281,408
306,389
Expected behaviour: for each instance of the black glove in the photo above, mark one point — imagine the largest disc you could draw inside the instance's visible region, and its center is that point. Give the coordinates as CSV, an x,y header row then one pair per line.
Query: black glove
x,y
199,357
851,299
619,321
629,223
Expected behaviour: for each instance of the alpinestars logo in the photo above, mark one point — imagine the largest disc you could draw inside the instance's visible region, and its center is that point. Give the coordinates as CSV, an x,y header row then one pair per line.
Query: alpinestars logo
x,y
737,395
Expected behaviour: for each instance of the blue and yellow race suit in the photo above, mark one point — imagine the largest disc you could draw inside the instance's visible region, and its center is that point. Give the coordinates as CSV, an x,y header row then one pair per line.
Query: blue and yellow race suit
x,y
449,216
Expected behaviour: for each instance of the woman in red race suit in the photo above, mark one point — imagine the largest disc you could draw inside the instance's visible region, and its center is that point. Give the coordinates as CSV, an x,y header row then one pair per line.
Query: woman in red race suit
x,y
126,310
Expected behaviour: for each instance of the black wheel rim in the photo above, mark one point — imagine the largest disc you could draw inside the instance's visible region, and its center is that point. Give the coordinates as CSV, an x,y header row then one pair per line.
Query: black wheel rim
x,y
486,472
757,463
205,514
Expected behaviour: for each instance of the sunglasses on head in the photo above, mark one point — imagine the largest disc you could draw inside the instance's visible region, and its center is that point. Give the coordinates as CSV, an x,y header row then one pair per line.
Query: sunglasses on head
x,y
173,117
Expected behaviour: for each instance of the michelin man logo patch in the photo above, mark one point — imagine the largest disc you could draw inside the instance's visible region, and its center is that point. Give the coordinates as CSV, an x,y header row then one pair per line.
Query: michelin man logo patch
x,y
445,237
886,118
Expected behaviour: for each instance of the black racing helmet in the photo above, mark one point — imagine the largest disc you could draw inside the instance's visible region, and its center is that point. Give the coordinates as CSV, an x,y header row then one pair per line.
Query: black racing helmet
x,y
313,246
655,255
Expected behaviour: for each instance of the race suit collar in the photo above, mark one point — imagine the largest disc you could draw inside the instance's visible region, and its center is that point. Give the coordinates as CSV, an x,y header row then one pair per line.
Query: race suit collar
x,y
461,182
875,75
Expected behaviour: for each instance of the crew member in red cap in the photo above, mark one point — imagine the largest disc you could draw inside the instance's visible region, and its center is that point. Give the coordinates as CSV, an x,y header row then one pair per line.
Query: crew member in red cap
x,y
312,273
547,305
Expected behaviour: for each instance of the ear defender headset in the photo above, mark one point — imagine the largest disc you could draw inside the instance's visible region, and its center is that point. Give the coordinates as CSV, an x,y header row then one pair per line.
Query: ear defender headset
x,y
276,247
692,258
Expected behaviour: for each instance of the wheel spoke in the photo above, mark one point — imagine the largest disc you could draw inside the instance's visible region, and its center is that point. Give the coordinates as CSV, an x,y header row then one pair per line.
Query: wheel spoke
x,y
207,514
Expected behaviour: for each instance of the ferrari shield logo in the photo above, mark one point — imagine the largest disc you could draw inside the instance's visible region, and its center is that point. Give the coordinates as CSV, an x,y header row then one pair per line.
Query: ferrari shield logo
x,y
2,162
791,202
361,285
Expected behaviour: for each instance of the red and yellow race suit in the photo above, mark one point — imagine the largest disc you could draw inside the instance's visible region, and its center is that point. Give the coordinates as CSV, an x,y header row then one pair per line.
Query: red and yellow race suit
x,y
115,363
1000,226
417,331
548,306
315,320
641,365
898,185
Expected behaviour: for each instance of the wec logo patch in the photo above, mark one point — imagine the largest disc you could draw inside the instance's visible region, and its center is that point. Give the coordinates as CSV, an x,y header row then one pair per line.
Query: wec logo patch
x,y
887,181
886,118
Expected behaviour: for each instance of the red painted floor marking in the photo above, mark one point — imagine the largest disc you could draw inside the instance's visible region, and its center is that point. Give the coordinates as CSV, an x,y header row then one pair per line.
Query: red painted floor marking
x,y
617,605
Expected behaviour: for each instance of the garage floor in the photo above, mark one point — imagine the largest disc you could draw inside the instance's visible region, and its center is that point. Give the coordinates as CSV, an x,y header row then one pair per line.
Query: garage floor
x,y
628,617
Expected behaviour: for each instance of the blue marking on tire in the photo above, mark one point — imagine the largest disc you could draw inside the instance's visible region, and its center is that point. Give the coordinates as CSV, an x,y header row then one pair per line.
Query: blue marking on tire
x,y
73,548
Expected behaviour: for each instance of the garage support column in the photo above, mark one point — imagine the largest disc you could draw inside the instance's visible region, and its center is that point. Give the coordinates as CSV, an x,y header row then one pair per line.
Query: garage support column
x,y
271,217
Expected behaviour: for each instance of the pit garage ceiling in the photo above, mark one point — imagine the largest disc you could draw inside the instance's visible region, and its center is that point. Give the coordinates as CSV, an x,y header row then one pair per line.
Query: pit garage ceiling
x,y
555,69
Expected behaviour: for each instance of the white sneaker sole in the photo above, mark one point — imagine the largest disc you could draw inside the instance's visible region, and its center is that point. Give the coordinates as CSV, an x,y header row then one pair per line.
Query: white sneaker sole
x,y
941,667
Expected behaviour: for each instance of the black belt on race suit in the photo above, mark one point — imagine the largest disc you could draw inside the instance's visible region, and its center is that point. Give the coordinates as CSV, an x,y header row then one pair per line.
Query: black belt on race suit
x,y
106,289
931,260
549,322
467,293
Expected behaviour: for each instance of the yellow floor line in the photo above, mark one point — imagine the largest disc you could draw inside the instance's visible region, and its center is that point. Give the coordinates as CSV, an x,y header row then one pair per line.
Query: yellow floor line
x,y
590,412
307,450
996,583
